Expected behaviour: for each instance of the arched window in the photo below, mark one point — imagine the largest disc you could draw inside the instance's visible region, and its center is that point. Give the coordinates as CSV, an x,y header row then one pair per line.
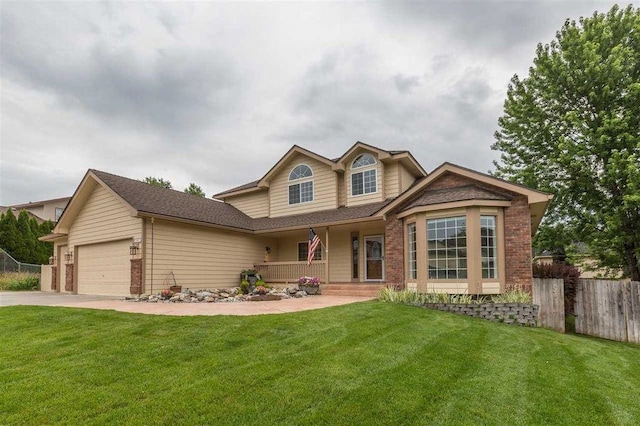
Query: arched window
x,y
301,186
364,182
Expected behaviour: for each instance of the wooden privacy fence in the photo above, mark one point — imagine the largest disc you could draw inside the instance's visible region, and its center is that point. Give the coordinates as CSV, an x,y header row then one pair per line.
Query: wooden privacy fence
x,y
608,309
548,294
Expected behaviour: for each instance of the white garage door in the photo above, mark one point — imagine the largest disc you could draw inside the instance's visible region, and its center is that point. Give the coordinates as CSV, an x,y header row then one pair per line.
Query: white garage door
x,y
104,269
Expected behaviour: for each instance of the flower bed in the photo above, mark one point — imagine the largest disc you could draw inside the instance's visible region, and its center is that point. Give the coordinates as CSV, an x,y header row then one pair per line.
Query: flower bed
x,y
216,295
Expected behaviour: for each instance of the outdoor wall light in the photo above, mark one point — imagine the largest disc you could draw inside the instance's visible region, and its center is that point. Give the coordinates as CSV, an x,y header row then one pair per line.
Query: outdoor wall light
x,y
52,260
134,248
267,249
68,256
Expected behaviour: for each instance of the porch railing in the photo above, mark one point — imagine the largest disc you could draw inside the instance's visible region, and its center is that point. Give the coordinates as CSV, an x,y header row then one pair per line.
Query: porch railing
x,y
289,272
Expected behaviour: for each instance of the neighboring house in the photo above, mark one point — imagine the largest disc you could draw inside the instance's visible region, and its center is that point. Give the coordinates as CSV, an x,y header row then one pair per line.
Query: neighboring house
x,y
46,209
4,209
381,218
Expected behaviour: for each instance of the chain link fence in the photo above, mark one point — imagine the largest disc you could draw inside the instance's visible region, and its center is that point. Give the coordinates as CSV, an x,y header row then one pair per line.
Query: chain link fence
x,y
9,264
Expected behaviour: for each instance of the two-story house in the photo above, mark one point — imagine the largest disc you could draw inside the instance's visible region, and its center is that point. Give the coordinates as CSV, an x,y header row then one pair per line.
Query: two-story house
x,y
381,218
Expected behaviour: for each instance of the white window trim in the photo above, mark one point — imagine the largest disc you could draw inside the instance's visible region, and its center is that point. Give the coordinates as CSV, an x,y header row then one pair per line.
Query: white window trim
x,y
362,169
300,181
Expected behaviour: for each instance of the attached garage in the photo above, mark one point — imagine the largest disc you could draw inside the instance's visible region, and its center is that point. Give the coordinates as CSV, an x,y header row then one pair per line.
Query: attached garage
x,y
104,268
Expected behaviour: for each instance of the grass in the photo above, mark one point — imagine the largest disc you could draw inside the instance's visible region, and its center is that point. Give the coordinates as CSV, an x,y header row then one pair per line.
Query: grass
x,y
19,281
366,363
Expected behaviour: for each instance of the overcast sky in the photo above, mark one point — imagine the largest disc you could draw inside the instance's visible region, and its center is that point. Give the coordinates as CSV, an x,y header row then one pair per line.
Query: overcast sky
x,y
216,93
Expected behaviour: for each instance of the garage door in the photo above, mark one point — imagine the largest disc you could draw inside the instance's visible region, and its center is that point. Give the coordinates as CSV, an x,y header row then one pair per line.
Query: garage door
x,y
104,269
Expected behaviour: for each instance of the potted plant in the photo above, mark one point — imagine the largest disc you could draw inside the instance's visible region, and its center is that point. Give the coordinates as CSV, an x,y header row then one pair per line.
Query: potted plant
x,y
250,275
310,285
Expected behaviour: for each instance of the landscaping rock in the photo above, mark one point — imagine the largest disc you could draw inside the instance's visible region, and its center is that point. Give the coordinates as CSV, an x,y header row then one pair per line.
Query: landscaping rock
x,y
215,295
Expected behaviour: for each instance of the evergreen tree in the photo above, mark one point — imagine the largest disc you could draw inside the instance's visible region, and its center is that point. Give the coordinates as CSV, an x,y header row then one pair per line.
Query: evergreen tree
x,y
194,189
26,252
9,236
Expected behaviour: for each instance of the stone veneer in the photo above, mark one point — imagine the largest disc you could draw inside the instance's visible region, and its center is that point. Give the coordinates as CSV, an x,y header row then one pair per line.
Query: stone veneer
x,y
509,313
136,277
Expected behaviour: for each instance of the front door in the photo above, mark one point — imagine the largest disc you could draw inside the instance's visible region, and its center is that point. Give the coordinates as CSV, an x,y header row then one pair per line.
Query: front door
x,y
374,258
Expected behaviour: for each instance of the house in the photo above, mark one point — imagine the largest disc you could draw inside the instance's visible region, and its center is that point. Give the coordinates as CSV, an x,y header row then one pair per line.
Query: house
x,y
381,218
46,209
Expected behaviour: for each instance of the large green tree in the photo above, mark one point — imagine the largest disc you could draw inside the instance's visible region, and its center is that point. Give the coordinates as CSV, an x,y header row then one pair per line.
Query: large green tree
x,y
572,127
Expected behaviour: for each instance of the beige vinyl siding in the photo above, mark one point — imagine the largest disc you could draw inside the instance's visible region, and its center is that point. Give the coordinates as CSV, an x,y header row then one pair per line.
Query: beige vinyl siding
x,y
324,188
342,190
391,180
340,256
365,198
406,178
62,267
199,257
104,269
45,277
253,204
104,217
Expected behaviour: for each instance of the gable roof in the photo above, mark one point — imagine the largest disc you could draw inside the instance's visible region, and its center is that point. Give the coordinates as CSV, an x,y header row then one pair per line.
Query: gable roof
x,y
146,200
538,200
337,164
460,193
152,200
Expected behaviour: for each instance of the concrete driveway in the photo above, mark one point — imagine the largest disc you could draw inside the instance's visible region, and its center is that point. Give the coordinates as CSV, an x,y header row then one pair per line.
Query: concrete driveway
x,y
178,309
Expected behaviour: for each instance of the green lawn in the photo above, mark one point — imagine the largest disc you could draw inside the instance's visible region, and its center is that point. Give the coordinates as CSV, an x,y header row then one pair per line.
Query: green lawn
x,y
367,363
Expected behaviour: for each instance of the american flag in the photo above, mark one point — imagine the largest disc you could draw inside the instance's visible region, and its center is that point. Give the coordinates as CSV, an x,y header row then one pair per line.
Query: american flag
x,y
314,242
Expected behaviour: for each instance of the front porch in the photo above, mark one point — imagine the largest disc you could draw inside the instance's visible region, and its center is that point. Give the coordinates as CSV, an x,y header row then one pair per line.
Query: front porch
x,y
350,260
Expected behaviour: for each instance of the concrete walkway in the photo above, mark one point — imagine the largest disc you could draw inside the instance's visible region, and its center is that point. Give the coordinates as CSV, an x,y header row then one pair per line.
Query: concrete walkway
x,y
178,309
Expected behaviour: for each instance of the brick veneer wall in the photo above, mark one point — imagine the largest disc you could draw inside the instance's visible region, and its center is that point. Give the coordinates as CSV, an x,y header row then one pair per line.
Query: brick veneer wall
x,y
394,251
136,277
68,285
517,241
517,230
54,278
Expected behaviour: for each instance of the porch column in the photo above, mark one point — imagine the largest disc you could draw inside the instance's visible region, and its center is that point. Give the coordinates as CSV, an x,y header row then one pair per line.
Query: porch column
x,y
326,246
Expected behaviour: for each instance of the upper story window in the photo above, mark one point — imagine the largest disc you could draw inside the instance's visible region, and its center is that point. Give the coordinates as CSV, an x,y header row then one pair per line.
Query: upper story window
x,y
364,181
58,213
301,184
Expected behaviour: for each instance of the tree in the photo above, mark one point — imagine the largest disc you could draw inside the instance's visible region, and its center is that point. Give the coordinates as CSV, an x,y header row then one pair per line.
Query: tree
x,y
27,246
572,127
9,236
159,182
194,189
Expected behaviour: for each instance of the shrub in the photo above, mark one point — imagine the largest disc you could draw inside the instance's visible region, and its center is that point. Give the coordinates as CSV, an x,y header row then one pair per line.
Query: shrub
x,y
19,281
244,287
569,275
512,296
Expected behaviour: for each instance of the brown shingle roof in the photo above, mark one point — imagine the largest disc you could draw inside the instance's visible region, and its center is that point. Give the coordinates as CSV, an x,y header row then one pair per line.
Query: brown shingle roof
x,y
320,217
153,200
461,193
238,188
167,202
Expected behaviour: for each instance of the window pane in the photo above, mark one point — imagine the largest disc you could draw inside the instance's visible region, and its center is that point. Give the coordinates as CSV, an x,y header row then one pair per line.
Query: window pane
x,y
300,172
369,181
488,247
306,192
447,248
363,160
294,194
413,261
357,187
